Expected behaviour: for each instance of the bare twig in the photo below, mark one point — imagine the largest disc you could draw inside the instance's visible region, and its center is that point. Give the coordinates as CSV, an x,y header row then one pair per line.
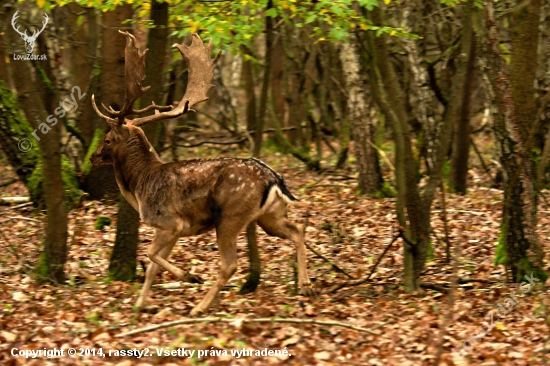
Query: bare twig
x,y
383,154
360,282
487,171
22,218
26,204
8,182
333,265
239,321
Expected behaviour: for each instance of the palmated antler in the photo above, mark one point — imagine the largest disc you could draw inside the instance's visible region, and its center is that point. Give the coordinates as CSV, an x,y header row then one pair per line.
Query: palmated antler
x,y
201,71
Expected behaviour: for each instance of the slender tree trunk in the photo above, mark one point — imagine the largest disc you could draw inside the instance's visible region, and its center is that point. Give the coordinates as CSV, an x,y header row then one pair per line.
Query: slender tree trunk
x,y
393,102
248,79
89,121
461,139
254,275
122,266
413,209
253,254
157,44
54,254
370,178
260,123
123,259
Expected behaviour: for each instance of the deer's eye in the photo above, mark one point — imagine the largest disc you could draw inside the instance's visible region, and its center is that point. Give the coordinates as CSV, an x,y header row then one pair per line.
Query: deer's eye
x,y
107,142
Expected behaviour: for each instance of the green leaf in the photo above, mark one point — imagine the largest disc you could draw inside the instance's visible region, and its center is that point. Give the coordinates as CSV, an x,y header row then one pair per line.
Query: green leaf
x,y
271,13
79,20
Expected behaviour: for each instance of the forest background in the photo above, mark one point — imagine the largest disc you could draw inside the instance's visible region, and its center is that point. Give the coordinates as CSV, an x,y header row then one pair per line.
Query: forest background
x,y
415,134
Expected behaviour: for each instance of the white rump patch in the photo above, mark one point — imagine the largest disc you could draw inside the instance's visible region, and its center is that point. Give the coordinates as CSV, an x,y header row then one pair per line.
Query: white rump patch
x,y
274,194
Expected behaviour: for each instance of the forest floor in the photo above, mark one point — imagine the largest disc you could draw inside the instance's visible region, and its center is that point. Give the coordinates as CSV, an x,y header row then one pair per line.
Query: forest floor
x,y
350,230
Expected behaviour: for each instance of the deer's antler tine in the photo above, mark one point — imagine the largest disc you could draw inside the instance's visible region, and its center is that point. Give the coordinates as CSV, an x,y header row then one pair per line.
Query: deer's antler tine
x,y
101,115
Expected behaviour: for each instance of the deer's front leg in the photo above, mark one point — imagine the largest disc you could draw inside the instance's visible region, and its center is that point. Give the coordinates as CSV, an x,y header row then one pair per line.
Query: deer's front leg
x,y
160,249
150,276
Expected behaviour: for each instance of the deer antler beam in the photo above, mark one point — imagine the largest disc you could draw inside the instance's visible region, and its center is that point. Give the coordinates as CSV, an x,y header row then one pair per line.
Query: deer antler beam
x,y
153,107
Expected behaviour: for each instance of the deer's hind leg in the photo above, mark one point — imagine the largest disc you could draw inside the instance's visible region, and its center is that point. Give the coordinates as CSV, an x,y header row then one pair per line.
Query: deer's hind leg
x,y
275,223
226,234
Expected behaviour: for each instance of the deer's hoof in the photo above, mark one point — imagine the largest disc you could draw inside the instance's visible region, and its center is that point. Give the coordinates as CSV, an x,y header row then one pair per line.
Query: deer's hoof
x,y
309,292
191,278
196,312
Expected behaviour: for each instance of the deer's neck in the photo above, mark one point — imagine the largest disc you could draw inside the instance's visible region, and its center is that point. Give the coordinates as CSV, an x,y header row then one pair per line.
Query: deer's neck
x,y
135,163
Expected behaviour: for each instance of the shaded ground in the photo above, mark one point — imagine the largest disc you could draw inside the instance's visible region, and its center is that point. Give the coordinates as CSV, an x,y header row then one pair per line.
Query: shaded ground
x,y
352,231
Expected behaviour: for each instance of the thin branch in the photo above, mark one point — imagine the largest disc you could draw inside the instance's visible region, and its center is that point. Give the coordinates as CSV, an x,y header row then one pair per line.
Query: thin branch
x,y
26,204
360,282
383,154
239,321
22,218
334,265
8,182
481,159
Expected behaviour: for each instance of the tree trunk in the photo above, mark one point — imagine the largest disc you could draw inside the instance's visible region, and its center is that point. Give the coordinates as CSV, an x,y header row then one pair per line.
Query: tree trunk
x,y
50,267
413,210
408,197
461,139
260,122
15,135
83,59
254,275
370,178
157,44
518,248
123,260
523,249
122,266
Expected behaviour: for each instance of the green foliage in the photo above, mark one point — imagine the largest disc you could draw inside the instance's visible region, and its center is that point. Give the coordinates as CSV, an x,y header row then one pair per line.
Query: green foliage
x,y
386,191
125,272
526,268
16,121
72,194
101,222
500,253
233,24
42,269
96,141
430,254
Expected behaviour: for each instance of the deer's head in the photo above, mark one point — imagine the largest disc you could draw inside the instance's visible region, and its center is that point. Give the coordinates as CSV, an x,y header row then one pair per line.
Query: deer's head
x,y
126,137
29,40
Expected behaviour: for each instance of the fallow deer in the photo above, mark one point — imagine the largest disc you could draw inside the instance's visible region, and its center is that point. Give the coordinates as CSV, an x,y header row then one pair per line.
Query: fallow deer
x,y
191,197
